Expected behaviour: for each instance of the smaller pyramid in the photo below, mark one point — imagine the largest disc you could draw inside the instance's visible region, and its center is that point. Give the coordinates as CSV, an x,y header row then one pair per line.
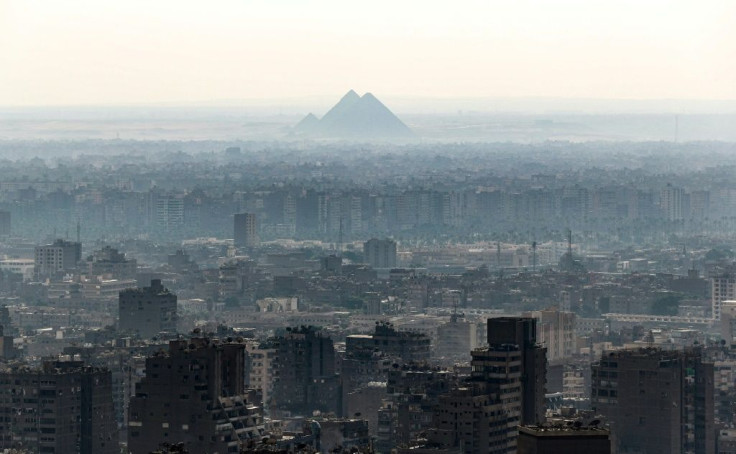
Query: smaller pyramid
x,y
355,117
307,125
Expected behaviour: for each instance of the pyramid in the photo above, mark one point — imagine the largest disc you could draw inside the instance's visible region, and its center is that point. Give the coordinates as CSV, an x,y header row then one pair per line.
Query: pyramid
x,y
307,125
355,117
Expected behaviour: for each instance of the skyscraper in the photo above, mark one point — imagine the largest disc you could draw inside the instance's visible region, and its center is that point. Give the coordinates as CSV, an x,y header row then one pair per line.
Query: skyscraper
x,y
656,401
245,230
520,333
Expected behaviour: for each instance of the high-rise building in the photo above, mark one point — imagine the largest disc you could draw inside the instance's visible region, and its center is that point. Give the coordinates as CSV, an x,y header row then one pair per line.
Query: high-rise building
x,y
4,223
7,348
556,332
57,257
671,202
656,401
260,368
195,394
728,321
521,332
307,380
412,394
723,288
169,212
563,440
63,407
245,230
380,253
457,339
506,389
147,311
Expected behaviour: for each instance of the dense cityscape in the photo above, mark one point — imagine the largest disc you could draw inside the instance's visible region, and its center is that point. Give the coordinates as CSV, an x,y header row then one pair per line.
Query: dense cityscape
x,y
367,227
489,299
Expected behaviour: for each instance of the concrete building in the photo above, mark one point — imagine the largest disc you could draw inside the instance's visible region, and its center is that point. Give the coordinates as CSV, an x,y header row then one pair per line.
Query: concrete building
x,y
563,439
169,213
147,311
24,267
260,367
7,348
380,253
109,261
63,407
4,223
671,201
556,332
728,321
245,230
403,345
656,401
412,394
57,257
307,377
455,340
506,389
195,394
522,333
723,288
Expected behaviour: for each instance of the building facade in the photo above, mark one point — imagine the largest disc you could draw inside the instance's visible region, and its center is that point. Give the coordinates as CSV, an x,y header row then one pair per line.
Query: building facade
x,y
62,407
195,394
147,311
563,439
57,257
245,230
656,401
380,253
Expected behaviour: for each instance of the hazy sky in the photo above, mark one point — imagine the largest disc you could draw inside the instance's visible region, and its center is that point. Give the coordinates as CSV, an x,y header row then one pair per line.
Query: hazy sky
x,y
134,51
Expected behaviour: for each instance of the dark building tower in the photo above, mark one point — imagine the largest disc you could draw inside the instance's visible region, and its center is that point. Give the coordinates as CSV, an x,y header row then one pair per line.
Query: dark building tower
x,y
64,407
380,253
194,394
563,440
147,311
306,374
656,401
4,223
522,333
505,390
245,232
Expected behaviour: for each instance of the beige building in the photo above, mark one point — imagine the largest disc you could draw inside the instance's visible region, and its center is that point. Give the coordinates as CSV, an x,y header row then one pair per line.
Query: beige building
x,y
556,332
261,368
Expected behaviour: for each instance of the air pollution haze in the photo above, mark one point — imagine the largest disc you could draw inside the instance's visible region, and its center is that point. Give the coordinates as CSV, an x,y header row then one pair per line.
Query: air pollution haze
x,y
386,227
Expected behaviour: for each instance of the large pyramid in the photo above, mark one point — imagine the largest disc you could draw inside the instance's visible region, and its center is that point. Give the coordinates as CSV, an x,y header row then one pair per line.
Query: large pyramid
x,y
355,117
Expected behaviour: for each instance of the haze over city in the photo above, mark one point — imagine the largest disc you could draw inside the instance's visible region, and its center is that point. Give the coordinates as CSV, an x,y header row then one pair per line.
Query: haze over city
x,y
367,227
